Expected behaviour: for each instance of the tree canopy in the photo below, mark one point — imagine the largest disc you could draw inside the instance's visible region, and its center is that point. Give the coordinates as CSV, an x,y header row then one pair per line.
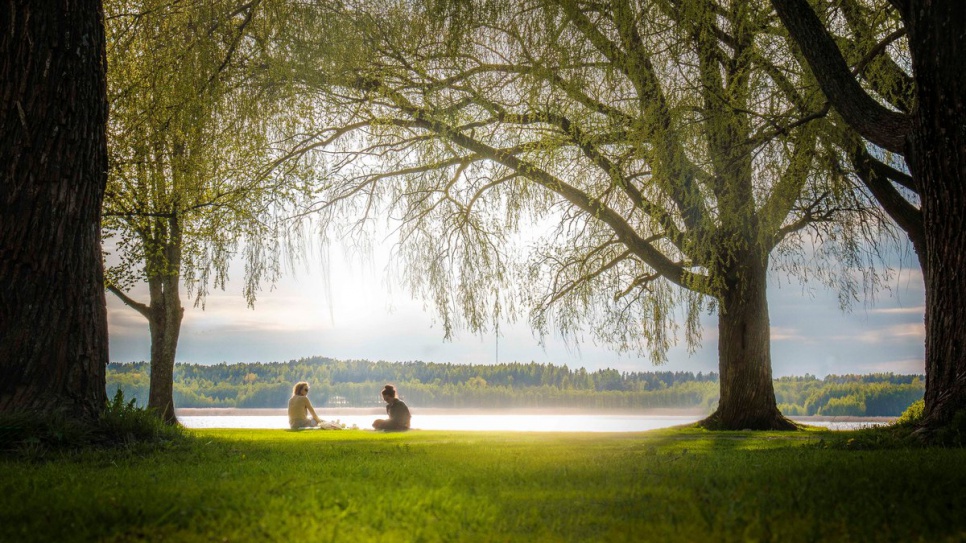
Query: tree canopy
x,y
670,146
199,132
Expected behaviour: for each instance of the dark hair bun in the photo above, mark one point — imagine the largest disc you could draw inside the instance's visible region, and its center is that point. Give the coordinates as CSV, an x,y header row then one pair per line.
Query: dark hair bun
x,y
389,389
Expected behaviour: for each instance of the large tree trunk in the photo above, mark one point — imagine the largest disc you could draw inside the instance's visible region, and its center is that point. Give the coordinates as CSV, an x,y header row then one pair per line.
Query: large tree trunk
x,y
933,140
744,353
938,163
53,155
165,323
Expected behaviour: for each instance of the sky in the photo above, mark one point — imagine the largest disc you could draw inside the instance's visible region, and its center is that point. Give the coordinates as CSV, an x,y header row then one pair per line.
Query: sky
x,y
363,317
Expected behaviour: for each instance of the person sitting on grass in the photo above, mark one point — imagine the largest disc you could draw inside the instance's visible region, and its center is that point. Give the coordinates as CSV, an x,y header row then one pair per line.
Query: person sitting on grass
x,y
396,409
299,407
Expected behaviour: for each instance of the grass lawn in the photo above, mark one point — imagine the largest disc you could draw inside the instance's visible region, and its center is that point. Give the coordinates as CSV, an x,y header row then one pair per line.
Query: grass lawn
x,y
352,485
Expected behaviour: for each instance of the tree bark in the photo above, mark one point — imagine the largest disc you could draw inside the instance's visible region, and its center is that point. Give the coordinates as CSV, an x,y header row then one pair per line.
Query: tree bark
x,y
163,312
53,155
165,324
164,279
747,399
164,315
937,160
935,150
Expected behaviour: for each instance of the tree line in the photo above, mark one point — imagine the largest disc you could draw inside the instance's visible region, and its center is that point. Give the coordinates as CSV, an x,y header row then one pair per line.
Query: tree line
x,y
356,383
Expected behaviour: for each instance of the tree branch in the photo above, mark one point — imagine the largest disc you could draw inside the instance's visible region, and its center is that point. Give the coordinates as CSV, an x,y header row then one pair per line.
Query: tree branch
x,y
637,67
900,178
559,293
588,204
886,78
144,310
788,190
880,125
874,175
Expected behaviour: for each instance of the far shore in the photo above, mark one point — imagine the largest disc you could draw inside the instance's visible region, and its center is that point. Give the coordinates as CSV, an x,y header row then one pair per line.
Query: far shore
x,y
239,411
325,412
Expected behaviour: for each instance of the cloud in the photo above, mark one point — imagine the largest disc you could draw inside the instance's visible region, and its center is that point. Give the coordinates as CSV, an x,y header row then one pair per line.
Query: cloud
x,y
125,320
782,333
917,310
897,333
347,315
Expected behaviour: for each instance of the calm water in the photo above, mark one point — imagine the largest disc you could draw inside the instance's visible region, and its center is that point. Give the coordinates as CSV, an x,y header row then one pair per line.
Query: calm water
x,y
489,421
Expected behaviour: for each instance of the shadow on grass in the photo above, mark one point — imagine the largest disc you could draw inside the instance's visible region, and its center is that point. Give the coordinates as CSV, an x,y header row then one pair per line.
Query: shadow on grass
x,y
679,484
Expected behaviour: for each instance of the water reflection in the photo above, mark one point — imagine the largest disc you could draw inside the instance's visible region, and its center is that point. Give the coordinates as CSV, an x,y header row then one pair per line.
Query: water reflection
x,y
497,422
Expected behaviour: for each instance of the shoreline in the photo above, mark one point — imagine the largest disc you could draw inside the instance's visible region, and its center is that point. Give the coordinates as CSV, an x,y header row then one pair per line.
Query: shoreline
x,y
270,411
328,412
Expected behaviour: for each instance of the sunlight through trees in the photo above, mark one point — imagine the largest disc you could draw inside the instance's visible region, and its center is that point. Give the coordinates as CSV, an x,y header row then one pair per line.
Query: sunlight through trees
x,y
673,147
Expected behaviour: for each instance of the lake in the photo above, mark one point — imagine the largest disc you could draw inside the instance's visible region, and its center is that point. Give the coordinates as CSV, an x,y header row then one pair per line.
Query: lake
x,y
483,420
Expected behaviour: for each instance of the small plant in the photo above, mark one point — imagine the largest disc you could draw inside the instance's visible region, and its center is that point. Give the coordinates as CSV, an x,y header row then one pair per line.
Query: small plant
x,y
123,422
913,414
31,435
949,435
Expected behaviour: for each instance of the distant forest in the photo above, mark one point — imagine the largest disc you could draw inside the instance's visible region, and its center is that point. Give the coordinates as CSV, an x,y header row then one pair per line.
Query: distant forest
x,y
356,383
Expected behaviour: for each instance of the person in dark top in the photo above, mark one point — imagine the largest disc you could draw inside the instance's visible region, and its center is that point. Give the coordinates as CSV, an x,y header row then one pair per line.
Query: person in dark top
x,y
396,409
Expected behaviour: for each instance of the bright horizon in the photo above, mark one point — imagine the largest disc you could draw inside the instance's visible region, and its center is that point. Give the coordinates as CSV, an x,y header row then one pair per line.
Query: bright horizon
x,y
364,318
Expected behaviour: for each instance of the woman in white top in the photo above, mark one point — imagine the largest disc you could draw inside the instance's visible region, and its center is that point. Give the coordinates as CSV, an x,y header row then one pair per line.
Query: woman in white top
x,y
299,408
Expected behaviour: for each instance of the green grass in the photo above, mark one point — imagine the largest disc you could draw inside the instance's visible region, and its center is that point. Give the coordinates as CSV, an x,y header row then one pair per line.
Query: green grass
x,y
668,485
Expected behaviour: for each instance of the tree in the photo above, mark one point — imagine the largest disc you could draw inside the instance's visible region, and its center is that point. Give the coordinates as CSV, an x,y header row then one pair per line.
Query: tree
x,y
664,138
195,160
929,131
53,320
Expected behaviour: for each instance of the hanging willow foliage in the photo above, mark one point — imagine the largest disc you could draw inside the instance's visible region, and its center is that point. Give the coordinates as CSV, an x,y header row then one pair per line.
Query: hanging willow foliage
x,y
201,171
606,167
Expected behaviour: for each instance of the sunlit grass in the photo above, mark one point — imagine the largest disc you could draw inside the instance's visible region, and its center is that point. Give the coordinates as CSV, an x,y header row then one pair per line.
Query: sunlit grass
x,y
668,485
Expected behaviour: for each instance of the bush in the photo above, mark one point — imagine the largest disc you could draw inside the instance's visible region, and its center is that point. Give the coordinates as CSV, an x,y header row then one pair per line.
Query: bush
x,y
913,414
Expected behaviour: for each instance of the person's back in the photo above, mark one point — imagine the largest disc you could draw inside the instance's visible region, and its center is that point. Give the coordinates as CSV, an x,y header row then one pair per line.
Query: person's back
x,y
399,417
299,408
